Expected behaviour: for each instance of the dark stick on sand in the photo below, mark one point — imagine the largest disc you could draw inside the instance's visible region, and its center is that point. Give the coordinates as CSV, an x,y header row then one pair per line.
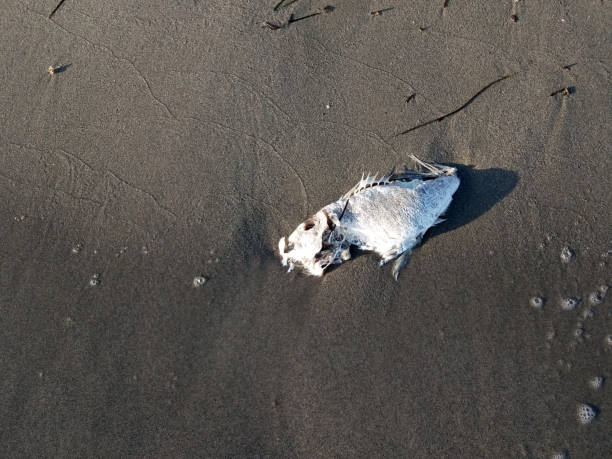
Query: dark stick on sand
x,y
283,4
445,4
292,19
427,123
56,8
410,97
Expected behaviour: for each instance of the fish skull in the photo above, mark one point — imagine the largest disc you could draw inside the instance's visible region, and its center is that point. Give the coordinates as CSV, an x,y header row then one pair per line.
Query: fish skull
x,y
315,244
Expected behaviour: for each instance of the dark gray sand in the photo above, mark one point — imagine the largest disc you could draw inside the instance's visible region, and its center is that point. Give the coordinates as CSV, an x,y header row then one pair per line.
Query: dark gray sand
x,y
183,138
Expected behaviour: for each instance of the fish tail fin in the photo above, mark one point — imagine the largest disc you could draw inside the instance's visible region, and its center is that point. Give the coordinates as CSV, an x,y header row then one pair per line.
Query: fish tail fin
x,y
400,263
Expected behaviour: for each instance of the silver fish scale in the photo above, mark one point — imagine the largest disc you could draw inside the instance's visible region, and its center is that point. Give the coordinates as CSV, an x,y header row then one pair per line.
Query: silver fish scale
x,y
393,217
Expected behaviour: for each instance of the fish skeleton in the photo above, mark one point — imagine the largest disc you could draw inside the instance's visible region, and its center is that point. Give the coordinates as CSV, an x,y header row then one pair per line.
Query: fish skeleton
x,y
387,215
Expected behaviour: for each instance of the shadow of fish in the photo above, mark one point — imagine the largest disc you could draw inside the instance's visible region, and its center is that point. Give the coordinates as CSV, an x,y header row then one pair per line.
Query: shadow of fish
x,y
387,215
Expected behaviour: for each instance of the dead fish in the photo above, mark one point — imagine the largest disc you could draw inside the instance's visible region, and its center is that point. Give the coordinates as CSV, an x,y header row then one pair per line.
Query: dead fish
x,y
387,215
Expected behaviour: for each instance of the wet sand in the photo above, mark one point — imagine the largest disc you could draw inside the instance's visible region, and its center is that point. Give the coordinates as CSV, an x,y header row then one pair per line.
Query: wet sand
x,y
183,139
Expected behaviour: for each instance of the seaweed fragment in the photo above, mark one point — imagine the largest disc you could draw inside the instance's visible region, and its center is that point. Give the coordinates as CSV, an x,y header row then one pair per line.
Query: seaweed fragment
x,y
427,123
56,8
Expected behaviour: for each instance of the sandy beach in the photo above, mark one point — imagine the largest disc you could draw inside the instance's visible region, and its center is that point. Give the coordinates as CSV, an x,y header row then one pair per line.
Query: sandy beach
x,y
145,145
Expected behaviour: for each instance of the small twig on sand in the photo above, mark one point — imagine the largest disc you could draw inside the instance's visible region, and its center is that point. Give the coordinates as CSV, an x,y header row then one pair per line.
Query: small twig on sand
x,y
380,12
282,4
293,19
564,91
56,8
271,26
327,9
569,66
427,123
410,97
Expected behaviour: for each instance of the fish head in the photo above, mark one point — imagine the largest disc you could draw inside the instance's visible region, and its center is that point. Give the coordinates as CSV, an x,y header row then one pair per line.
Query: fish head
x,y
314,245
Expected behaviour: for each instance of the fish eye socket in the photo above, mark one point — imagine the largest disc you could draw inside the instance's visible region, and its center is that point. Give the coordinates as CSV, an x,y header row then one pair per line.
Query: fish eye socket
x,y
308,225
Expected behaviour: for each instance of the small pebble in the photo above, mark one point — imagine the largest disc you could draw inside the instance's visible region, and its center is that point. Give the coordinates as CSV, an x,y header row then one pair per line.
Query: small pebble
x,y
198,281
561,455
77,248
586,413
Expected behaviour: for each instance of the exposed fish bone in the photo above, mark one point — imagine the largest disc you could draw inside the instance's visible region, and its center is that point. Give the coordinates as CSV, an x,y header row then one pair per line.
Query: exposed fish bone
x,y
387,215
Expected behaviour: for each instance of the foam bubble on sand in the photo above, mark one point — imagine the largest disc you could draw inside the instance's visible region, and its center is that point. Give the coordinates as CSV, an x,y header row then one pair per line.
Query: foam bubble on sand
x,y
94,280
588,313
596,297
537,302
561,455
596,382
569,303
567,254
198,281
586,413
